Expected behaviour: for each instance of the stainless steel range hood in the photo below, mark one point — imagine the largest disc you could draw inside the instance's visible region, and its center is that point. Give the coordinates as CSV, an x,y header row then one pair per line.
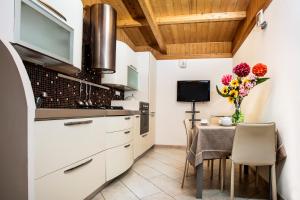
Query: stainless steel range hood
x,y
103,37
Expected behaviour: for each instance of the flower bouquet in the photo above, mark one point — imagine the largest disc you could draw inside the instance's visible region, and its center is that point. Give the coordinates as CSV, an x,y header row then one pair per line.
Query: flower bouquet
x,y
237,86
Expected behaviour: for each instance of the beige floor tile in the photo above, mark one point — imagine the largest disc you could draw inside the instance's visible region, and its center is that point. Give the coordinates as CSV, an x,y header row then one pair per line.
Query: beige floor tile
x,y
117,191
139,185
166,159
159,196
145,171
168,185
168,170
158,175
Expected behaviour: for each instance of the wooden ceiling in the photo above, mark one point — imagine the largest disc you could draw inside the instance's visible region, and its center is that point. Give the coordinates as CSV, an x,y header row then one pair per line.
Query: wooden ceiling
x,y
177,29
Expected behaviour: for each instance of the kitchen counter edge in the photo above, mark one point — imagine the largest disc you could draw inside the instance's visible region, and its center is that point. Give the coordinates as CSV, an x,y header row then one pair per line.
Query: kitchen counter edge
x,y
58,114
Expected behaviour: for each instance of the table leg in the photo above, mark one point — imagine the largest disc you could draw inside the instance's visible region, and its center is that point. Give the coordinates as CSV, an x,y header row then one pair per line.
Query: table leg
x,y
199,181
246,169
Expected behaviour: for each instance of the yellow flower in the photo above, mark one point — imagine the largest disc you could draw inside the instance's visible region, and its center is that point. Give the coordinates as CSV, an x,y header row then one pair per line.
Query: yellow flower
x,y
231,100
234,93
225,90
245,80
234,83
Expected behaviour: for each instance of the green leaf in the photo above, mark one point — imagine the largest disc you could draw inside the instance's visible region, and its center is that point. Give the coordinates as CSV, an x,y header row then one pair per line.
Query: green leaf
x,y
220,93
261,80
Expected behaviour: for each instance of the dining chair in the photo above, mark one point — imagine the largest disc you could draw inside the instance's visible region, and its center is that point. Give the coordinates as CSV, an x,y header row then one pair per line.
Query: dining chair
x,y
189,136
254,144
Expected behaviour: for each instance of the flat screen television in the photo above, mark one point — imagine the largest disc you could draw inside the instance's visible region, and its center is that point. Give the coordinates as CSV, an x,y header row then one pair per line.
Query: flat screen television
x,y
193,91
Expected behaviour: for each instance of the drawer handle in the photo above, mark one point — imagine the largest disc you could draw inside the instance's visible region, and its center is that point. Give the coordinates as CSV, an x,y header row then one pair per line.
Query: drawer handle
x,y
53,10
78,166
137,116
144,135
127,118
126,146
78,123
126,132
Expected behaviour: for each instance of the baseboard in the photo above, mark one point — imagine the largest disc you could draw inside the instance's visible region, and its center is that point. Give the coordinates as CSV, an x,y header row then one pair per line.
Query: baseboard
x,y
169,146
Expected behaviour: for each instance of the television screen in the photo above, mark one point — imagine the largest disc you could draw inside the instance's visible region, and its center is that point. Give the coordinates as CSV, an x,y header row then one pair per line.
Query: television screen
x,y
193,91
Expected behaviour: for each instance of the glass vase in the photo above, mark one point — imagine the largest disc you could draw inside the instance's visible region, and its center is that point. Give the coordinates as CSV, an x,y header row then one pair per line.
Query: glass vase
x,y
238,116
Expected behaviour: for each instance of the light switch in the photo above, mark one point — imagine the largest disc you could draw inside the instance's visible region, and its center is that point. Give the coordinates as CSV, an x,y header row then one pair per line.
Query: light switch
x,y
182,64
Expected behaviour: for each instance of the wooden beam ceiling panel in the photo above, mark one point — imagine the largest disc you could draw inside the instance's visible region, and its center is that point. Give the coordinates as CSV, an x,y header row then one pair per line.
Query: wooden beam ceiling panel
x,y
148,12
200,18
247,25
199,32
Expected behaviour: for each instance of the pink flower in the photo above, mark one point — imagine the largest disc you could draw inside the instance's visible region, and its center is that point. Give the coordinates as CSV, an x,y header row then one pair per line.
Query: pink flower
x,y
243,91
249,85
226,79
252,77
242,70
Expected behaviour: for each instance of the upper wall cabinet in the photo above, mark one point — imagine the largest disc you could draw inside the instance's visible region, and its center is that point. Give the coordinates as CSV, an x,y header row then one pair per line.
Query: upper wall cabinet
x,y
48,32
126,76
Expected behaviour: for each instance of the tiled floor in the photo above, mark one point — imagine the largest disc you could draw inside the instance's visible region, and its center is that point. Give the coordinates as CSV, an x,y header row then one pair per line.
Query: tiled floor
x,y
158,174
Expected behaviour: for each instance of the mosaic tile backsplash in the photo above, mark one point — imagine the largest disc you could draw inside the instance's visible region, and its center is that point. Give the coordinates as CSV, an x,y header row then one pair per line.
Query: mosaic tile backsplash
x,y
63,93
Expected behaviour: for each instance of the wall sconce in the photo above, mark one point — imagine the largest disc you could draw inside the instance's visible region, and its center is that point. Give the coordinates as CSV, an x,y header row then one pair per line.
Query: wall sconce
x,y
260,20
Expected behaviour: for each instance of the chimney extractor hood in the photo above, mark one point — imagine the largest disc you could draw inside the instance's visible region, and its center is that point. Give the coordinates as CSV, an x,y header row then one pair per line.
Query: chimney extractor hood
x,y
103,37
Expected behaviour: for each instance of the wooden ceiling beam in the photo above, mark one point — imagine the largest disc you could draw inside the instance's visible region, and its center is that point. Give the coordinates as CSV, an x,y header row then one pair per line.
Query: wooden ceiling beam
x,y
247,25
192,50
200,18
130,23
186,19
148,12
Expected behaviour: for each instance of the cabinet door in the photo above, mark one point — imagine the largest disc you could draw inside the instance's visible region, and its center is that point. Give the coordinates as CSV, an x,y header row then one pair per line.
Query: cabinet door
x,y
76,181
118,160
59,143
72,10
152,99
120,77
136,137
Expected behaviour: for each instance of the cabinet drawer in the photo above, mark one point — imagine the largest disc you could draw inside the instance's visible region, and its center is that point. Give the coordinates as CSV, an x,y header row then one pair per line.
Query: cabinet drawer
x,y
118,160
59,143
142,144
118,123
113,139
74,182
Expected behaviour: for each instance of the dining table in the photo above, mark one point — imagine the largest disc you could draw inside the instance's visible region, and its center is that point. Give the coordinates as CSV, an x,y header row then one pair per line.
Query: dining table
x,y
215,142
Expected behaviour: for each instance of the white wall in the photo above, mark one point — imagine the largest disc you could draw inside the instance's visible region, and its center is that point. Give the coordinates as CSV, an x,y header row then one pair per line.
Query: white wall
x,y
170,113
278,47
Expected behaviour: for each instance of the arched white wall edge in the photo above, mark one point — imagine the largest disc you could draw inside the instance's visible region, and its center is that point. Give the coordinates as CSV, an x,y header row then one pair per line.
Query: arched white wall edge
x,y
9,55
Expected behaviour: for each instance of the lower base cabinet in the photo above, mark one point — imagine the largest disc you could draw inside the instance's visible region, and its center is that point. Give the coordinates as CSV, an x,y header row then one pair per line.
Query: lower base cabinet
x,y
74,182
142,144
118,160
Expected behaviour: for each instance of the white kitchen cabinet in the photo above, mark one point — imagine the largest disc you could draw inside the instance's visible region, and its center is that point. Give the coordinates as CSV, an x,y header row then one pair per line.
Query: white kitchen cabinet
x,y
152,99
74,182
113,139
118,160
126,75
33,24
73,12
137,149
59,143
118,123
